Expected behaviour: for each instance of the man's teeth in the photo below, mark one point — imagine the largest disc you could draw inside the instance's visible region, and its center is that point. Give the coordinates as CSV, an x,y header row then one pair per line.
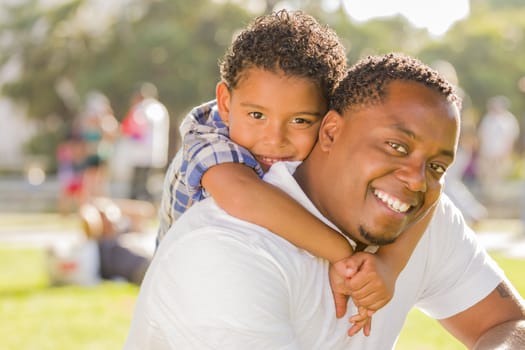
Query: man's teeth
x,y
393,203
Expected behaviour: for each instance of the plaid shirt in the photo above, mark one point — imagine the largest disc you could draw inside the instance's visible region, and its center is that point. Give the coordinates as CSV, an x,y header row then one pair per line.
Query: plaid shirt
x,y
205,143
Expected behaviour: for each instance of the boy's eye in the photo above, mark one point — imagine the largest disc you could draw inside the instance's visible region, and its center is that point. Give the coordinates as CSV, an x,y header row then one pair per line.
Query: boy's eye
x,y
398,147
256,115
299,120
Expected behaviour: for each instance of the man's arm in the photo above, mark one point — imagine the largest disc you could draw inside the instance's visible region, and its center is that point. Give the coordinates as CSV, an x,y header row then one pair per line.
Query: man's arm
x,y
508,335
496,322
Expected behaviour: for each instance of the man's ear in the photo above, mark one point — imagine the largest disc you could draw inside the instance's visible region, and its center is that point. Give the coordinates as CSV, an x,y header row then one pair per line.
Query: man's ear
x,y
223,95
329,130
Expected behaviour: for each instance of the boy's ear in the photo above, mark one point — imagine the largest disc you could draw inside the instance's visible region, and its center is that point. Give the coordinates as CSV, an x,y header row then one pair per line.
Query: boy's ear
x,y
222,93
329,130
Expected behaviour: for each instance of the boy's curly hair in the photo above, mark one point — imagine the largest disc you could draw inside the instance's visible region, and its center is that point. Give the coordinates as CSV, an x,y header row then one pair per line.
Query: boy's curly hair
x,y
366,81
291,42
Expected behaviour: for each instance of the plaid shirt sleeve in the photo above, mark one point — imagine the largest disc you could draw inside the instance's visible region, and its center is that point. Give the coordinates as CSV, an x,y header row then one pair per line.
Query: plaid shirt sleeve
x,y
205,143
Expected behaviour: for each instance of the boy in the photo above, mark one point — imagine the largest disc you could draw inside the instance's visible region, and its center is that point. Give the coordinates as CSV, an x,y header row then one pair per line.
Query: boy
x,y
275,83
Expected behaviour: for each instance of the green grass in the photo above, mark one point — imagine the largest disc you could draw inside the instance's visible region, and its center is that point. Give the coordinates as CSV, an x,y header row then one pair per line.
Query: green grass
x,y
423,333
39,220
34,315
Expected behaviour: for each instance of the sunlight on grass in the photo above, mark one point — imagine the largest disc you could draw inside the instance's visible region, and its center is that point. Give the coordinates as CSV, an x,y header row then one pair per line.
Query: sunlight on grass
x,y
423,333
34,315
39,220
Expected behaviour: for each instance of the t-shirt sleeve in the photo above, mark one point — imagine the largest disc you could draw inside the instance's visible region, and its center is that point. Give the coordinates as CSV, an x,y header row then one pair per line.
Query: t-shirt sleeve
x,y
460,273
242,305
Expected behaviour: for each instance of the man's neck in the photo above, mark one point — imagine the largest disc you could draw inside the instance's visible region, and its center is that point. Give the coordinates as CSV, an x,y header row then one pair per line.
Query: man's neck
x,y
307,175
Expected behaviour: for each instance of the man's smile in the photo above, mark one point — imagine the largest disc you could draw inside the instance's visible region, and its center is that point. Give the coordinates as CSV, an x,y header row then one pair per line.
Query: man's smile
x,y
392,202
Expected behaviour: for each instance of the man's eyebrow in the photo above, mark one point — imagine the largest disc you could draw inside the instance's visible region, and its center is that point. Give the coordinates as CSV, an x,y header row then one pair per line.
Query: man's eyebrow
x,y
411,134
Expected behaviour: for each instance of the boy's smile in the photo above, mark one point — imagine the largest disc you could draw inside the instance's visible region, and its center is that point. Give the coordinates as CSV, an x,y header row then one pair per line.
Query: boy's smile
x,y
274,116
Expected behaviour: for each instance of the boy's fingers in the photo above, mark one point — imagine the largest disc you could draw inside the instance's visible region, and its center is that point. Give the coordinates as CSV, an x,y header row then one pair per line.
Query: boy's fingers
x,y
368,327
372,301
357,318
356,327
340,301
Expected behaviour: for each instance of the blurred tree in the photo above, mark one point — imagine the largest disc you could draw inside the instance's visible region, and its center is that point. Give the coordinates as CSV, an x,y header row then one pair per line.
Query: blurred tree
x,y
74,46
496,4
488,53
68,49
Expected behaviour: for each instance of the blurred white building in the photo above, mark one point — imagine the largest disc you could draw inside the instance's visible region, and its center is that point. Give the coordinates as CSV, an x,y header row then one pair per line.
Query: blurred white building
x,y
15,128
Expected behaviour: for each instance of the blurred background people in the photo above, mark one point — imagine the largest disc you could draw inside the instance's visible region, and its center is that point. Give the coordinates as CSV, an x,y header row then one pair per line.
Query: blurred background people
x,y
145,130
70,173
498,134
455,186
98,129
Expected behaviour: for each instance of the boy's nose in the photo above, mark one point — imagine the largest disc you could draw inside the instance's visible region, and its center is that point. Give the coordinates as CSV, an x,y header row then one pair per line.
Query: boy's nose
x,y
275,135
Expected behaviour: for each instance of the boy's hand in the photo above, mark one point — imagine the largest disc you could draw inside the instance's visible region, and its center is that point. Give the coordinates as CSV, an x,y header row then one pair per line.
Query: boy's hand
x,y
372,286
362,320
338,273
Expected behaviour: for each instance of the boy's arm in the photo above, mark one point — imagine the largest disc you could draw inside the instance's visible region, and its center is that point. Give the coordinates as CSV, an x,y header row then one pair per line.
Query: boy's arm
x,y
374,283
240,192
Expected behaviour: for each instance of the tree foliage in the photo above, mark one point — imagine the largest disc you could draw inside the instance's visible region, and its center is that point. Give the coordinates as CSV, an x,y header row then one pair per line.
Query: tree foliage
x,y
66,50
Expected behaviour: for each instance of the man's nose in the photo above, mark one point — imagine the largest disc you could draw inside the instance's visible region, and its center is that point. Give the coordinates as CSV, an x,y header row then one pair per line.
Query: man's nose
x,y
413,174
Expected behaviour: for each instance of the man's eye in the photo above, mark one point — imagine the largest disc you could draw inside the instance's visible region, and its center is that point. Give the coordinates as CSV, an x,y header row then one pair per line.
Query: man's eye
x,y
398,147
440,169
256,115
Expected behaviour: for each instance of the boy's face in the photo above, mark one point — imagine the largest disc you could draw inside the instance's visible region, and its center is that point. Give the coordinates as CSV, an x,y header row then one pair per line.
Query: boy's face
x,y
382,167
275,117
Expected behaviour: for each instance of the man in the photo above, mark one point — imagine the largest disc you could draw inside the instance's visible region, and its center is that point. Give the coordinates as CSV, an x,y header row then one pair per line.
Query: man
x,y
221,283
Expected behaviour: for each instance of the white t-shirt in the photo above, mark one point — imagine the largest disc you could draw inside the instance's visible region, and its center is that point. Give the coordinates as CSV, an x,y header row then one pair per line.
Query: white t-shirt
x,y
222,283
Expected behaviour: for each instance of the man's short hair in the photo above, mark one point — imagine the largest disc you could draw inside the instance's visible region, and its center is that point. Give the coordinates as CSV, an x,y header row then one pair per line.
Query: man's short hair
x,y
290,42
366,81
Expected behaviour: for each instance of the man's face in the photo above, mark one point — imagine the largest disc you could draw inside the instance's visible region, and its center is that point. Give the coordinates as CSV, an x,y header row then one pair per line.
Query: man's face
x,y
274,116
383,166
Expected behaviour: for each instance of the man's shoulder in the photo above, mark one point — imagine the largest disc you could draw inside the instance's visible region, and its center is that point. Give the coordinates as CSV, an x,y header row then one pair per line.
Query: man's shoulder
x,y
205,221
447,213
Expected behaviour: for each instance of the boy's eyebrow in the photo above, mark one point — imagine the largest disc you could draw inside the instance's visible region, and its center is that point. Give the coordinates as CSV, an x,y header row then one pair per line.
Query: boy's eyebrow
x,y
411,134
317,114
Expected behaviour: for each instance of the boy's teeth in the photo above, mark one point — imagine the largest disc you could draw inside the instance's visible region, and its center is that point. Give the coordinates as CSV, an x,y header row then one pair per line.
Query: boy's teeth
x,y
393,203
269,160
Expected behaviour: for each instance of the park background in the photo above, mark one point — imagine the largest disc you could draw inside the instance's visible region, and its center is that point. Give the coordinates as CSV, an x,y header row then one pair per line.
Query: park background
x,y
54,52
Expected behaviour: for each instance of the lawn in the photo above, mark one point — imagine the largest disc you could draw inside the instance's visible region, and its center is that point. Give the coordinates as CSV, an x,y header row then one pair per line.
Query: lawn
x,y
423,333
36,316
